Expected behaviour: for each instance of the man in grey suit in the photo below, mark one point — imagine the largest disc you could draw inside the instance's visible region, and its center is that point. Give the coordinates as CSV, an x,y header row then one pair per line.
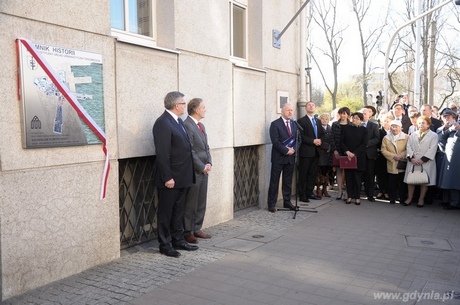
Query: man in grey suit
x,y
195,205
373,139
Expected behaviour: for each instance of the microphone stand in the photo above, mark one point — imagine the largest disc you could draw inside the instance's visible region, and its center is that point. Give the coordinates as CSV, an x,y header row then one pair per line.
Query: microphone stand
x,y
296,173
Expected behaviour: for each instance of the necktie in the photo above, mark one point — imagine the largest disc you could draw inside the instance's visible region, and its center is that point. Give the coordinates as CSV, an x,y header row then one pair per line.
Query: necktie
x,y
288,128
200,127
313,121
364,124
181,123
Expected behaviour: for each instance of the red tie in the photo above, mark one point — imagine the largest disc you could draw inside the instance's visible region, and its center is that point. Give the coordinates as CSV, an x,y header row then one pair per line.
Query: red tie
x,y
200,127
288,128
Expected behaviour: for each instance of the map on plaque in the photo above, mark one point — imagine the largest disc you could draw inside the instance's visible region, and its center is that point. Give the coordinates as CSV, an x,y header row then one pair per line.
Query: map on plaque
x,y
48,120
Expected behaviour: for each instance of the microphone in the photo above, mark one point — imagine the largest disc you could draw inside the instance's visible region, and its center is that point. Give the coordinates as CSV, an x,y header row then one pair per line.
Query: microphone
x,y
298,125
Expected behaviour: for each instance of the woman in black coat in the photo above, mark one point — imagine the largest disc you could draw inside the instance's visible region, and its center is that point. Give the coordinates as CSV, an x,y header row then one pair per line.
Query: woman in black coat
x,y
354,142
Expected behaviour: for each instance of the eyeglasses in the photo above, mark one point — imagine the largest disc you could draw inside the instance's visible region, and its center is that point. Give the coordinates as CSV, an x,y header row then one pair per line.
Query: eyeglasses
x,y
181,103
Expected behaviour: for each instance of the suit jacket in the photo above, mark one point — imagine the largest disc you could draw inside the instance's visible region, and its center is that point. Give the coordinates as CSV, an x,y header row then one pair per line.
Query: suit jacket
x,y
354,139
307,148
406,123
173,153
200,148
278,134
373,139
435,124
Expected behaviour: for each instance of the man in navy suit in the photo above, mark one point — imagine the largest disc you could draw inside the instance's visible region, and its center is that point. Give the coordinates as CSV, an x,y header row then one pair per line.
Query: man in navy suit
x,y
398,111
173,174
195,204
309,152
373,139
281,131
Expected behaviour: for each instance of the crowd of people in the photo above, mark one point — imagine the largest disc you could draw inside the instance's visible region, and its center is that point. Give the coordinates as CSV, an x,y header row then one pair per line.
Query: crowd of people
x,y
388,150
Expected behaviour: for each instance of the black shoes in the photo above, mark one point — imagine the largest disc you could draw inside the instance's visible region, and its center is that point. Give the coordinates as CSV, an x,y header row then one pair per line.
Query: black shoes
x,y
290,207
314,197
304,199
171,252
186,246
371,199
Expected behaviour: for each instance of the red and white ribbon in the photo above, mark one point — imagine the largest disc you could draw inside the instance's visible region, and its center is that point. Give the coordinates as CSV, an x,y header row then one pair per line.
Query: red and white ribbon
x,y
70,97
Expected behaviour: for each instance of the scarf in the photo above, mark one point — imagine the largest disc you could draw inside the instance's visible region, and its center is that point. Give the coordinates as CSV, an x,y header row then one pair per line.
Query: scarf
x,y
421,134
394,138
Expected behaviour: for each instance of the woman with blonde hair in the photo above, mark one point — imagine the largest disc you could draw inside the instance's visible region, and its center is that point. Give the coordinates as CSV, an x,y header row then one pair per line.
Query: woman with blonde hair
x,y
421,152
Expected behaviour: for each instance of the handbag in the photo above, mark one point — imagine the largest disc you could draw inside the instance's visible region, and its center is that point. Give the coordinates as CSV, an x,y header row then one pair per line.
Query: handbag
x,y
401,164
335,160
417,177
348,163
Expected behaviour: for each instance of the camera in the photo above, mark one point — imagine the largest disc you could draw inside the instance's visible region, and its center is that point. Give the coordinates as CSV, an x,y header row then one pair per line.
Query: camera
x,y
379,99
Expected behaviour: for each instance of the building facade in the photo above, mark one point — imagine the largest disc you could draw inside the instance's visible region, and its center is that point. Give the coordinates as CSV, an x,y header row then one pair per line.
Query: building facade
x,y
53,222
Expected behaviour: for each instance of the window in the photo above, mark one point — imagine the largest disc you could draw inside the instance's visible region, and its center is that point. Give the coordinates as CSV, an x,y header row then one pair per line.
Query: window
x,y
133,20
238,25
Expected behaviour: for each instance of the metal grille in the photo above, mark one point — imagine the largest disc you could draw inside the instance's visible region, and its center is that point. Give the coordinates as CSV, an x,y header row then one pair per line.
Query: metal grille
x,y
246,175
137,201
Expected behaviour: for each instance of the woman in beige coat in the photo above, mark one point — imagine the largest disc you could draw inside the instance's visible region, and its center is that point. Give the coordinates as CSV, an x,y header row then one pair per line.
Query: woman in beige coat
x,y
394,150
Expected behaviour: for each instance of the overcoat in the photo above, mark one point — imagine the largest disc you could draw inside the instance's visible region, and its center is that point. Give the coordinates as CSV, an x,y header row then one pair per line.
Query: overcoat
x,y
389,150
425,148
449,170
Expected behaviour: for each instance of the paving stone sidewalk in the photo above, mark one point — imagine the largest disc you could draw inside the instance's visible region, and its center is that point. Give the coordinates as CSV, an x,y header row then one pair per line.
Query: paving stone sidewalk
x,y
141,269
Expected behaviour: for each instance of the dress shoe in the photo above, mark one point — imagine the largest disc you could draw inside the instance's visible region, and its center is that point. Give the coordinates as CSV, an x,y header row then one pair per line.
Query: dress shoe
x,y
191,239
339,197
358,201
304,199
289,206
371,199
314,197
201,234
186,247
171,252
419,205
273,209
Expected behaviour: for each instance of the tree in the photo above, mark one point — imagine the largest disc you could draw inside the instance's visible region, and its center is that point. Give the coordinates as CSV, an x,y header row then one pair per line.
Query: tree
x,y
370,32
324,17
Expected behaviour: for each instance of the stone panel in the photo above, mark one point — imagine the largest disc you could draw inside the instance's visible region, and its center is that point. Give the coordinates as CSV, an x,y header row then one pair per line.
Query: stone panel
x,y
144,77
54,225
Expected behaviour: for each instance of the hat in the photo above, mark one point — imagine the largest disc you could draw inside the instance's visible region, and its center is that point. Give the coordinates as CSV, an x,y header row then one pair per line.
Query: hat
x,y
448,111
396,122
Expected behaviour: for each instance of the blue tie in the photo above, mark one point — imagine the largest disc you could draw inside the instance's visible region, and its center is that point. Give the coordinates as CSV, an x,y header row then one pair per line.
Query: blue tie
x,y
181,123
313,121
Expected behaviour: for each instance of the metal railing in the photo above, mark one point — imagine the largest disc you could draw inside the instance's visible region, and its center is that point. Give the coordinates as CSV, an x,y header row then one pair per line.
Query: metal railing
x,y
137,201
246,177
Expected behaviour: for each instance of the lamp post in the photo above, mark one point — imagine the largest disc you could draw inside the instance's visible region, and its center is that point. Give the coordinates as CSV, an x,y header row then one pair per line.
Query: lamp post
x,y
387,54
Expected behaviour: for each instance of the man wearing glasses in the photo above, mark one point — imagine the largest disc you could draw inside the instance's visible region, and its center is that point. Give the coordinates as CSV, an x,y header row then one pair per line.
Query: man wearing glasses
x,y
173,174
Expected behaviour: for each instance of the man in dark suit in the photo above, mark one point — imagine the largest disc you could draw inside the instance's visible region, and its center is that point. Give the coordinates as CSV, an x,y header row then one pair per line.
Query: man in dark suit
x,y
427,111
282,131
373,139
309,152
173,174
398,110
195,204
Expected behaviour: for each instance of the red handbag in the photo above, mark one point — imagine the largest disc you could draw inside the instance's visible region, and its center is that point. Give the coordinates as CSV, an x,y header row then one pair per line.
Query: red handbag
x,y
348,163
335,160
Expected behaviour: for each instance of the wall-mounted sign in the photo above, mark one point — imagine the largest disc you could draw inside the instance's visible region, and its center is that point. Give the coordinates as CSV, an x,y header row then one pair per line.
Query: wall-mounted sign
x,y
48,119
